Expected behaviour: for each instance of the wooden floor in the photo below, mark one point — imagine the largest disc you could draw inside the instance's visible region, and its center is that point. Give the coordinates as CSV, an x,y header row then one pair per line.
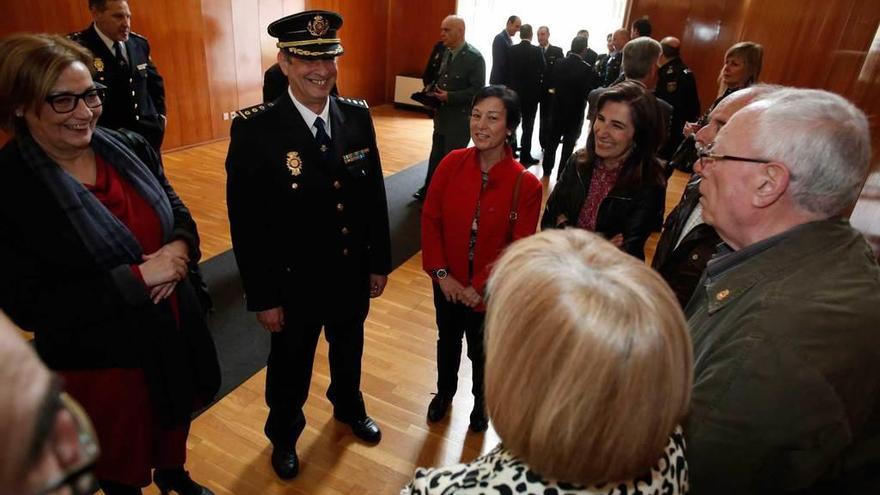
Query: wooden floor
x,y
227,449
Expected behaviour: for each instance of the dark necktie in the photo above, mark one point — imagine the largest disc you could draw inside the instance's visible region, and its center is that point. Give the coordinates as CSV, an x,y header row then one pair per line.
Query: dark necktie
x,y
322,138
117,48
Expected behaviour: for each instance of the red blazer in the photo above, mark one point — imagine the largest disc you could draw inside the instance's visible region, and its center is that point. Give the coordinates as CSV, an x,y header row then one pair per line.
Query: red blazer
x,y
449,210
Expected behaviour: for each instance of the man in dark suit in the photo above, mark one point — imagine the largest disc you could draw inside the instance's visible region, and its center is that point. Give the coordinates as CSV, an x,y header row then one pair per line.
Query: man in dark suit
x,y
500,45
602,60
551,55
676,85
526,64
135,91
570,82
612,65
687,242
640,58
309,223
461,74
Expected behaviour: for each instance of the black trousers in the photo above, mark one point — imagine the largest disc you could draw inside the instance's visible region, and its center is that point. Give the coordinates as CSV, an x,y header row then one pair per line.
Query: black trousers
x,y
529,109
546,121
455,321
441,145
289,371
569,135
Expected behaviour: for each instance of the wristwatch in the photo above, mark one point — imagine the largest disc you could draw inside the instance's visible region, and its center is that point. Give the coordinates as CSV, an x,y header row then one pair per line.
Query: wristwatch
x,y
440,273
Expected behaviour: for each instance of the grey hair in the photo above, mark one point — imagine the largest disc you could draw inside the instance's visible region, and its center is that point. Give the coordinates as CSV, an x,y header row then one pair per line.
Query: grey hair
x,y
640,56
822,138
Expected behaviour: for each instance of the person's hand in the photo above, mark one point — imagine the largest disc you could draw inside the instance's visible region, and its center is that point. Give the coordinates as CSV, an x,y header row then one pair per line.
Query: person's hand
x,y
176,248
451,289
163,266
617,240
690,128
470,297
377,284
162,291
272,319
441,95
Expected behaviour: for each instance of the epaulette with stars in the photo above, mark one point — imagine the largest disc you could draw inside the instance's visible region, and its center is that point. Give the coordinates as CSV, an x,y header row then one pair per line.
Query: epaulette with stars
x,y
250,112
355,102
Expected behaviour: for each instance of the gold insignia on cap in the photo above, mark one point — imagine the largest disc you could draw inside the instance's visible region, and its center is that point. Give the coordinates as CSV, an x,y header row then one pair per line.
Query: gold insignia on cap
x,y
318,26
99,64
294,164
722,295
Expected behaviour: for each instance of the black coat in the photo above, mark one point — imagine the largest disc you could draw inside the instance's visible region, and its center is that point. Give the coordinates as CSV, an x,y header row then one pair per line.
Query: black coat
x,y
633,212
682,266
525,65
500,45
307,233
136,96
81,319
612,69
571,81
551,55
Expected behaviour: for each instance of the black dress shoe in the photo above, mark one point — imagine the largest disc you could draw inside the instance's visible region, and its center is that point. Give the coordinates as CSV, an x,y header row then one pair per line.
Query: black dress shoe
x,y
178,481
285,463
366,429
479,420
438,407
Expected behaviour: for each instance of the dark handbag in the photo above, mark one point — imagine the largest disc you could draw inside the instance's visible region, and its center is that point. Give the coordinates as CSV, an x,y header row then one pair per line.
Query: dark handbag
x,y
685,156
426,99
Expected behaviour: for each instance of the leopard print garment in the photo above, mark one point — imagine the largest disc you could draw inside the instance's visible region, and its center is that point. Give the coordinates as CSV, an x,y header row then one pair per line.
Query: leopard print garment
x,y
500,473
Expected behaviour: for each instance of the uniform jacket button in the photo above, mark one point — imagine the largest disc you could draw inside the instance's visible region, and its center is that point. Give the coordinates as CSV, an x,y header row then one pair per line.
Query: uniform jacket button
x,y
345,252
340,207
337,184
344,230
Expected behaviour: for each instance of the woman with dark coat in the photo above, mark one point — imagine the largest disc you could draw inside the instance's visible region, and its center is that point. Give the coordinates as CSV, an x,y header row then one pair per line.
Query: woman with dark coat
x,y
615,186
94,251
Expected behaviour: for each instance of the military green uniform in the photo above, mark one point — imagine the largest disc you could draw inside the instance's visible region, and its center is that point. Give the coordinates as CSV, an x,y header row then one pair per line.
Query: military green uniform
x,y
462,75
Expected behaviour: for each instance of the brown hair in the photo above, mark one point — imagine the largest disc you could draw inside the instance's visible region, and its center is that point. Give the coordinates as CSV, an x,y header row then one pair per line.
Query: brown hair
x,y
589,371
752,54
30,66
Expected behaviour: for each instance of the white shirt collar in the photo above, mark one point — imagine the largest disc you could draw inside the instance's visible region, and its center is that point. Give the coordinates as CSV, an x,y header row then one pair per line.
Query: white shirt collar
x,y
310,116
110,43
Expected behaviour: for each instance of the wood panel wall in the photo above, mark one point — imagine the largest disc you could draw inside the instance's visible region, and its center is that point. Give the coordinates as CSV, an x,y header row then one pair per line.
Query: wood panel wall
x,y
826,44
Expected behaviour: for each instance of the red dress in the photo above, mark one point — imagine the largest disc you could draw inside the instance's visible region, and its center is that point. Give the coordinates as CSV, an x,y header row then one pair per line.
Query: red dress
x,y
117,399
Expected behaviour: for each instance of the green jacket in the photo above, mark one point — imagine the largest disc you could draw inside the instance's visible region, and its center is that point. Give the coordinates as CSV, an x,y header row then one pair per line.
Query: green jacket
x,y
787,368
465,75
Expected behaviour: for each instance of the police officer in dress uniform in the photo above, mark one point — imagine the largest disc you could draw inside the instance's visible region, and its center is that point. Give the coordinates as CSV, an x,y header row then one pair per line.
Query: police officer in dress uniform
x,y
135,91
551,54
309,223
676,86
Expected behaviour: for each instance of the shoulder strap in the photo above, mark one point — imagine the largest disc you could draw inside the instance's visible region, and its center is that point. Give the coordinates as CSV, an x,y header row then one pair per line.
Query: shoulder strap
x,y
513,204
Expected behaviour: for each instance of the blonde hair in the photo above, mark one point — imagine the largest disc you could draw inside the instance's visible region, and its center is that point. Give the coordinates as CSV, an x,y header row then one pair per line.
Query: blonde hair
x,y
588,358
752,54
30,66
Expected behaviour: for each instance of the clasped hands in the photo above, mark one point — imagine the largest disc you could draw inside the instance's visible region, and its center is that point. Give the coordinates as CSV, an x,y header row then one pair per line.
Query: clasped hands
x,y
454,292
163,269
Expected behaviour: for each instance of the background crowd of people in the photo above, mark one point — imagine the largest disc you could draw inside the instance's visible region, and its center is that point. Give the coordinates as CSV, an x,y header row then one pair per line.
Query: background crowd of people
x,y
726,366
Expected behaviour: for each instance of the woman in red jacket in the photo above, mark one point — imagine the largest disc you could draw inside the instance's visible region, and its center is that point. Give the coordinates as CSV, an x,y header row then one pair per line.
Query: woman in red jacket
x,y
480,200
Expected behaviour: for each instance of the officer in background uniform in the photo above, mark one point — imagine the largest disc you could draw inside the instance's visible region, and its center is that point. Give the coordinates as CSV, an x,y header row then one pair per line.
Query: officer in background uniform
x,y
309,223
676,86
551,54
461,74
525,65
135,91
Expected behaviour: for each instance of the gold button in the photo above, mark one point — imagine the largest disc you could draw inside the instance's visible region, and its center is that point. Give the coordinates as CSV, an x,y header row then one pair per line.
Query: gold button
x,y
132,93
722,295
137,117
337,184
340,207
345,252
135,105
695,257
344,230
131,80
294,186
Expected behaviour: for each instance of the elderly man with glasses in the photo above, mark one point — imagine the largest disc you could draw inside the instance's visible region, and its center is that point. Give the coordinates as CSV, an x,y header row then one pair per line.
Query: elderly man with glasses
x,y
687,242
786,319
47,441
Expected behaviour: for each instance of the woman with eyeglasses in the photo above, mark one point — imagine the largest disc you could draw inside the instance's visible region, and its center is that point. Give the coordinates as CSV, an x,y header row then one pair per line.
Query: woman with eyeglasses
x,y
615,186
94,252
